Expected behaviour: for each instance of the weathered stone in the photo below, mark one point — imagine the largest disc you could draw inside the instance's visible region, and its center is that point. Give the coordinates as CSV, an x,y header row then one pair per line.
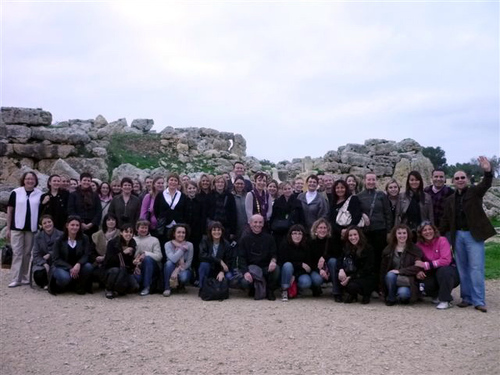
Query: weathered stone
x,y
71,135
18,133
100,122
144,125
383,148
97,167
59,167
355,148
112,128
128,170
407,145
100,152
10,166
381,169
359,171
354,159
26,116
332,156
344,168
43,151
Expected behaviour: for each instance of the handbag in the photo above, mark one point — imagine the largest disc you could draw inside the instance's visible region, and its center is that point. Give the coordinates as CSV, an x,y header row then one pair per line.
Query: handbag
x,y
344,217
214,290
348,265
281,225
122,278
292,291
161,226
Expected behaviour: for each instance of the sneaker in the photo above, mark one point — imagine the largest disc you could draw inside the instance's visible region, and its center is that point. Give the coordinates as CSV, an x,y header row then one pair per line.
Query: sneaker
x,y
444,305
145,292
167,293
14,284
284,295
436,301
109,294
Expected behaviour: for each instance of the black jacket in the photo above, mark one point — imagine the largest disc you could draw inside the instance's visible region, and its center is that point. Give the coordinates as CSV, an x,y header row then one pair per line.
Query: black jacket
x,y
225,253
256,249
111,259
90,213
61,254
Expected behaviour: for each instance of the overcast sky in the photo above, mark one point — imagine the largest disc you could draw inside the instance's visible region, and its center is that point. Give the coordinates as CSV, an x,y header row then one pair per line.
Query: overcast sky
x,y
294,78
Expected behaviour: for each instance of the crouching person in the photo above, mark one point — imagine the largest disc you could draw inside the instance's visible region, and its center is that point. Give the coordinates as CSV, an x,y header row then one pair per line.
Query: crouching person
x,y
119,264
70,266
179,253
148,258
216,255
258,261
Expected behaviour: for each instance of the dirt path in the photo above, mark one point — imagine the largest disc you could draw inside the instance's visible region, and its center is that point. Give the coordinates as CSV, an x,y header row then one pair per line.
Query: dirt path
x,y
70,334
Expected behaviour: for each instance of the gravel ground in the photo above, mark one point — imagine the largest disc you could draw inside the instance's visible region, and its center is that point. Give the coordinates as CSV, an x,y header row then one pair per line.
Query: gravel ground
x,y
71,334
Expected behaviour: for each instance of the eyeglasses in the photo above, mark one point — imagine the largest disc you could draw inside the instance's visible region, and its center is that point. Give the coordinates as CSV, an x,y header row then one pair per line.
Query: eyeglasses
x,y
460,178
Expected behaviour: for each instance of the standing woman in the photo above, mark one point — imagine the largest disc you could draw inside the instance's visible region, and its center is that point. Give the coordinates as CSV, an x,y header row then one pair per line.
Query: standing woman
x,y
71,267
169,207
220,206
393,190
314,204
22,224
85,203
121,253
398,270
55,202
194,218
240,193
345,210
147,205
356,267
105,196
353,184
258,201
137,188
42,250
416,206
287,211
272,189
179,255
293,258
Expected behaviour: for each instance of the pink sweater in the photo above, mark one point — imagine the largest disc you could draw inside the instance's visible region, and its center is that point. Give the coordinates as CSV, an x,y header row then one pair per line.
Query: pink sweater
x,y
436,253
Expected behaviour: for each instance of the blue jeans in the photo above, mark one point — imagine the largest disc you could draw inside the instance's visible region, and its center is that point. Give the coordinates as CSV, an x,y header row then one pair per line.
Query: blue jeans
x,y
184,276
470,263
304,281
208,270
402,293
149,269
334,276
63,278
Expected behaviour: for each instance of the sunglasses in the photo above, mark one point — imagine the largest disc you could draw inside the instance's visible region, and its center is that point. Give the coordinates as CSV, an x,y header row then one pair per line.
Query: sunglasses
x,y
460,178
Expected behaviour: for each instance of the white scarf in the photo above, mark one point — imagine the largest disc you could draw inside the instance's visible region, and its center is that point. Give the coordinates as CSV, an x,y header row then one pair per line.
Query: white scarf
x,y
22,207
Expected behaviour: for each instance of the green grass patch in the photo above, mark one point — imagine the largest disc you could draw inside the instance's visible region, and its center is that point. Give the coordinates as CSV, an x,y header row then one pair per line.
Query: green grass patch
x,y
492,266
495,222
140,150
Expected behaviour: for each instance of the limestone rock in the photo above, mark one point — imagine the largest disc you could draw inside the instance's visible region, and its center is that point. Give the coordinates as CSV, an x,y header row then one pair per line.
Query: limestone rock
x,y
43,151
408,145
144,125
18,133
100,122
10,166
128,170
97,167
491,202
26,116
100,152
59,167
112,128
355,159
74,135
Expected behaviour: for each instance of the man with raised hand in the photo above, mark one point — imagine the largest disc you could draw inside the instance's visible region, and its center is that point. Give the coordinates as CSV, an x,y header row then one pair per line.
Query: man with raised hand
x,y
469,227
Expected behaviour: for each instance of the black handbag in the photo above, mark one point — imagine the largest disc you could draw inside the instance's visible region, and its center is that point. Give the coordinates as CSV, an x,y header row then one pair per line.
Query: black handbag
x,y
6,256
348,265
161,226
281,225
122,280
214,290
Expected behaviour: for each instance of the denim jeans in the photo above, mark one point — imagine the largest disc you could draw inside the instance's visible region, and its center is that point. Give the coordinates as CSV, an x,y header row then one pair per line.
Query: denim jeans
x,y
184,276
63,278
334,276
304,281
208,270
149,269
286,275
401,293
470,263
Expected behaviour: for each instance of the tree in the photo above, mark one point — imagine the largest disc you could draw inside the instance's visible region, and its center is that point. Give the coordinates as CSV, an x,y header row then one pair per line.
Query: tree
x,y
437,157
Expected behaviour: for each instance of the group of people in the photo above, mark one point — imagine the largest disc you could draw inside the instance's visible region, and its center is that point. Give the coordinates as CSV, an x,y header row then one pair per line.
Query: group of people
x,y
259,236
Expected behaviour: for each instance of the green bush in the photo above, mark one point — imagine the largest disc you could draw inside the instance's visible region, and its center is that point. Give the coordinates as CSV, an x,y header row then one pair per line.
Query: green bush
x,y
492,266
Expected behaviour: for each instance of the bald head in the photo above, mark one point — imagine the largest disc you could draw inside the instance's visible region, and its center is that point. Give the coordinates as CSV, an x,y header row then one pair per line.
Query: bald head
x,y
256,223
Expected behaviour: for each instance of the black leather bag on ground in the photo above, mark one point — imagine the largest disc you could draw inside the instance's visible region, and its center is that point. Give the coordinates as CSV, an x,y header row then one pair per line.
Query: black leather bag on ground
x,y
214,290
6,256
